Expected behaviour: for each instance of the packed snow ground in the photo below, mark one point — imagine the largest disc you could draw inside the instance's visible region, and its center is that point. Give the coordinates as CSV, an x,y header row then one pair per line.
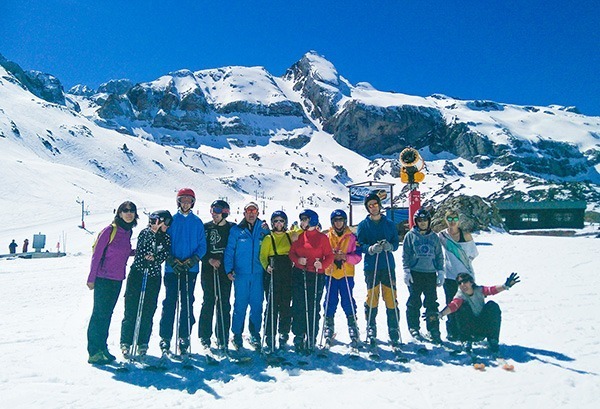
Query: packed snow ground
x,y
550,327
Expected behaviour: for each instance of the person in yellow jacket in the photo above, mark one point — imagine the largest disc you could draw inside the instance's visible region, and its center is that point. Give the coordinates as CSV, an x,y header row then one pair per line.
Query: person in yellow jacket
x,y
339,279
274,251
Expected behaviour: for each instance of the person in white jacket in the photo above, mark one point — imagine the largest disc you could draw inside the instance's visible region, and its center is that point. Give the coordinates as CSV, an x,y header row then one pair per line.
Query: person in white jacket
x,y
459,252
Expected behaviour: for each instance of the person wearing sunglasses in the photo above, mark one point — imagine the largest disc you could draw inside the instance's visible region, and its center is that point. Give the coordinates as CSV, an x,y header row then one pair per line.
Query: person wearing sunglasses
x,y
216,286
153,247
378,237
475,317
188,246
242,264
459,251
423,263
274,257
107,272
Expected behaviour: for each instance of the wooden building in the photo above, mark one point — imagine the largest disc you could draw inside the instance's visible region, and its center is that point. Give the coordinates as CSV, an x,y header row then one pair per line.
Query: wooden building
x,y
542,215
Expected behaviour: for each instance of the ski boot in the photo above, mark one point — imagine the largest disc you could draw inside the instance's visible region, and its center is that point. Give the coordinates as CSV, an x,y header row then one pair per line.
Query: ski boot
x,y
353,331
282,340
165,345
328,330
184,346
237,342
126,351
255,342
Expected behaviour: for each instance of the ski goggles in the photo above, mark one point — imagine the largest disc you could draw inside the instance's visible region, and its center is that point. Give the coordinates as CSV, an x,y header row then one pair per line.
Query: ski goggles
x,y
452,219
219,210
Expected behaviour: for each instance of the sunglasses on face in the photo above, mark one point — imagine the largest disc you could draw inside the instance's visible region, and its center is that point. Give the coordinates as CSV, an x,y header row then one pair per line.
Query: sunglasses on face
x,y
463,282
128,210
278,221
338,219
304,219
420,220
251,210
452,219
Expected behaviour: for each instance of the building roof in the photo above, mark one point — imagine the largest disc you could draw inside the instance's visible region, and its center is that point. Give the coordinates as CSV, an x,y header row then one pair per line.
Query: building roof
x,y
548,205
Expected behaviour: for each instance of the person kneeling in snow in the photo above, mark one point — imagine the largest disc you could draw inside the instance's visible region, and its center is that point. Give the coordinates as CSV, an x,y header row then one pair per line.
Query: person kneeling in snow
x,y
475,317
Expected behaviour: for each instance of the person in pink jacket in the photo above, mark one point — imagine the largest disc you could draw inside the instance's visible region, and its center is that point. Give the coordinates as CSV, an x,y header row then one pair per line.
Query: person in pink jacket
x,y
107,272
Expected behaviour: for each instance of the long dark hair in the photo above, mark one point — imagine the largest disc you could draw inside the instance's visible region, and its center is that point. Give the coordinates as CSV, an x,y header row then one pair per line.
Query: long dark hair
x,y
119,221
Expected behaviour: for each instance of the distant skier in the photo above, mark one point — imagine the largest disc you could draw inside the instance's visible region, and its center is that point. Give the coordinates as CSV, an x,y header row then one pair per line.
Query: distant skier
x,y
107,272
423,262
216,286
311,255
242,264
339,280
12,247
459,251
474,316
378,236
188,245
153,247
274,257
25,245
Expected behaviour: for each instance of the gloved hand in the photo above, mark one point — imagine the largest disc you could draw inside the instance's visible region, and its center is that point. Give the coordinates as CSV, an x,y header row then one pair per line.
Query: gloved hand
x,y
192,261
386,245
375,248
440,278
408,280
430,317
338,263
180,269
512,279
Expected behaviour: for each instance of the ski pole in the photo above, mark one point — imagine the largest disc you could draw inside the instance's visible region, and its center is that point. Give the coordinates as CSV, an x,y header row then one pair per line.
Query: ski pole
x,y
272,296
326,307
315,304
188,310
393,288
177,308
138,317
306,310
372,294
351,299
220,308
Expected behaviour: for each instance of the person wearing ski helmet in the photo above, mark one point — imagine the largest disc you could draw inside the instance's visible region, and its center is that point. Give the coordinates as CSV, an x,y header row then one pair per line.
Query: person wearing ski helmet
x,y
274,257
153,247
423,264
378,236
188,246
242,264
339,279
107,272
311,255
475,317
459,251
216,286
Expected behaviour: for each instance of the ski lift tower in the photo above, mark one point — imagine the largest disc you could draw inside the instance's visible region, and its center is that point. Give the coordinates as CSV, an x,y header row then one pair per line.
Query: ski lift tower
x,y
411,174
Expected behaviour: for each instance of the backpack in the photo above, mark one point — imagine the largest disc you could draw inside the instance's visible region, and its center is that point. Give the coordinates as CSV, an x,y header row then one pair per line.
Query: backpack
x,y
113,233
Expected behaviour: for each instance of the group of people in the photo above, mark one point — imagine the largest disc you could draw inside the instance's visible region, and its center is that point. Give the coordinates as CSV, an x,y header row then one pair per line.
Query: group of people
x,y
12,247
289,267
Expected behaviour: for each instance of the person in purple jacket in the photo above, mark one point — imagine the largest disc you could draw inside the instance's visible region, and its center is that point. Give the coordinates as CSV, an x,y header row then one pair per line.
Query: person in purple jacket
x,y
107,272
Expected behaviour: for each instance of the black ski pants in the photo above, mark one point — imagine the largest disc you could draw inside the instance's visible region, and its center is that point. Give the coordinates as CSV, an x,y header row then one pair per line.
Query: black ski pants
x,y
133,292
450,288
178,287
307,291
106,294
210,289
278,314
423,284
486,324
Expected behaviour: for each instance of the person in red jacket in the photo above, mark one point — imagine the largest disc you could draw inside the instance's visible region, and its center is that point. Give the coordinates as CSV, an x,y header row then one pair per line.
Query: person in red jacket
x,y
311,255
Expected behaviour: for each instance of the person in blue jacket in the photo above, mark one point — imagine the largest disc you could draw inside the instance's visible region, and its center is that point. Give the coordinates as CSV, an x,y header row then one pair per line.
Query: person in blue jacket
x,y
188,246
378,236
242,264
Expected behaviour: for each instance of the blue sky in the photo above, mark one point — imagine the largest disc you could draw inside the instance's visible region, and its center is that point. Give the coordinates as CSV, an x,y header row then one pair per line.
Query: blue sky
x,y
524,52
